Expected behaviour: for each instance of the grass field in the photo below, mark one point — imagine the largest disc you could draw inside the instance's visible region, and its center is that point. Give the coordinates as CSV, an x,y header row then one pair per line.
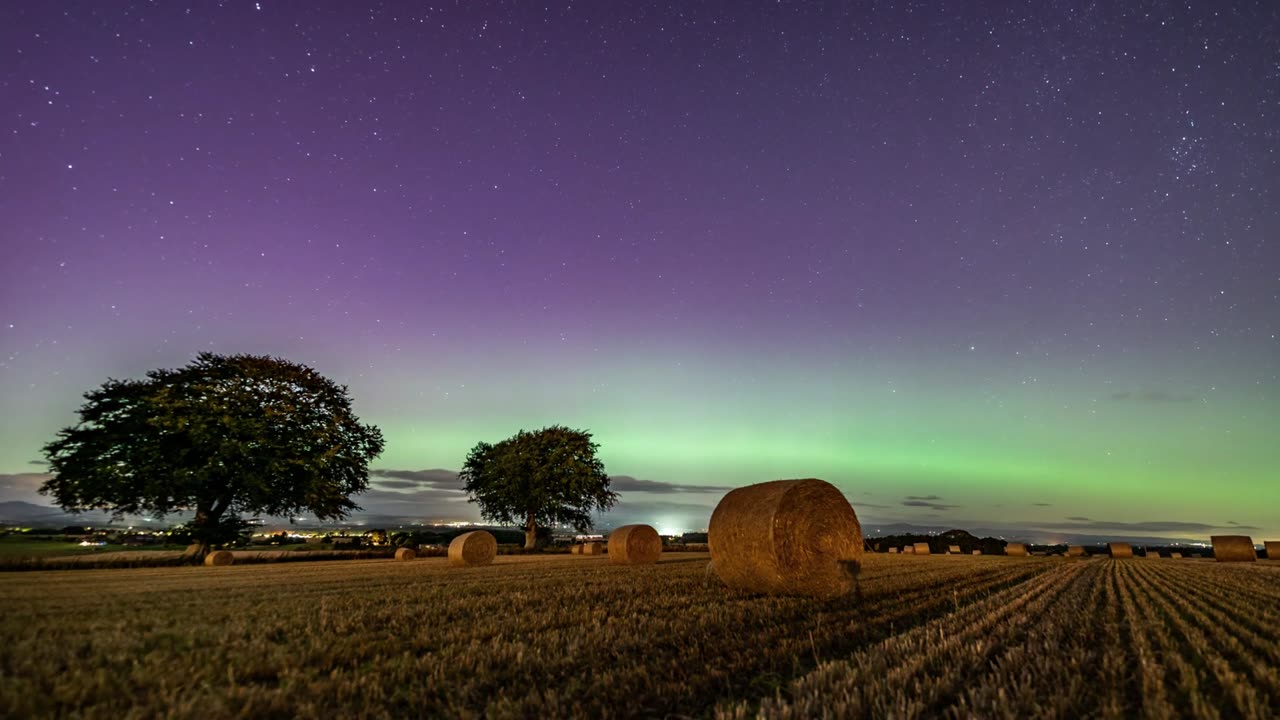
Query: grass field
x,y
566,637
17,547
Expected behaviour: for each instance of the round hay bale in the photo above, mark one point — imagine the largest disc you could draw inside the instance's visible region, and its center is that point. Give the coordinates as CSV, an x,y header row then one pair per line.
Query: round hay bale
x,y
575,549
593,548
1120,550
218,558
953,550
909,549
1233,548
793,537
922,548
471,549
1016,549
1175,556
893,550
634,545
1273,549
977,552
1076,551
405,553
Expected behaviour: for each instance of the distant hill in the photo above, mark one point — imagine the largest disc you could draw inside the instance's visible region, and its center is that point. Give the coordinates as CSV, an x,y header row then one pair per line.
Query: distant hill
x,y
1027,535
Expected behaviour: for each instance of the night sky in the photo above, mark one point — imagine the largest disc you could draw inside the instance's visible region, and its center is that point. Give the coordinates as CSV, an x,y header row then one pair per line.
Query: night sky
x,y
978,264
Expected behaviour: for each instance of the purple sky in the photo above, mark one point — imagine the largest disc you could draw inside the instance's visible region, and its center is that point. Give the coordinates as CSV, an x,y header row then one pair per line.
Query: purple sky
x,y
982,252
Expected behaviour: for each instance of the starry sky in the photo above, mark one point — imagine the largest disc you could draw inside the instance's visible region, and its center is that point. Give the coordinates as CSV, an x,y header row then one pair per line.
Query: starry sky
x,y
978,264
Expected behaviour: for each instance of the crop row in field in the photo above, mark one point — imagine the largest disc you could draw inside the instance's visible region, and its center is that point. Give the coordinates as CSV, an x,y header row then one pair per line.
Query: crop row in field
x,y
577,637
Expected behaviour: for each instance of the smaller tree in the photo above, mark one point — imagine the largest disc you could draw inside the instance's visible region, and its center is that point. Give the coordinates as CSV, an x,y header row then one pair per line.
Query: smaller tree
x,y
538,479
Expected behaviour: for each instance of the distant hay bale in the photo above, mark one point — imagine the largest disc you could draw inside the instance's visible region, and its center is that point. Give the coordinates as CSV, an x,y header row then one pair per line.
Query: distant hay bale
x,y
1016,549
922,548
793,537
893,551
1233,548
218,558
474,548
976,552
575,549
405,553
634,545
1175,556
1120,550
1273,549
593,548
1076,551
953,550
909,549
1153,554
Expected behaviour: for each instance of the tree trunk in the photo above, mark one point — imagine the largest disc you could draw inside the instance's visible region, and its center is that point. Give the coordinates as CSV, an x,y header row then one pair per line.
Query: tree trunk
x,y
195,552
202,526
531,534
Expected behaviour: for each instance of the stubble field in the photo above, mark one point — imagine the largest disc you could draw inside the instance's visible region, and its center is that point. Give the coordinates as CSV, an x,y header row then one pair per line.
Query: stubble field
x,y
570,637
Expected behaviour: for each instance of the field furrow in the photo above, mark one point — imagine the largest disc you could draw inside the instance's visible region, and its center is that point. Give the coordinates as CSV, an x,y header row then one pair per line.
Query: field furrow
x,y
913,673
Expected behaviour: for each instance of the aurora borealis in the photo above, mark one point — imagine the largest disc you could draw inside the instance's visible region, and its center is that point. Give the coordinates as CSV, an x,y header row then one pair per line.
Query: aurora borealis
x,y
1000,265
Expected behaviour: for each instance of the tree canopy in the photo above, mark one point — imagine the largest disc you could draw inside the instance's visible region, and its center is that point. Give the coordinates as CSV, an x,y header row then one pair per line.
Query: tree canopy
x,y
538,479
221,436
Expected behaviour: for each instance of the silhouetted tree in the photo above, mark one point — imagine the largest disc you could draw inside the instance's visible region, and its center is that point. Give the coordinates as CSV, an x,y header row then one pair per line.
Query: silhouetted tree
x,y
222,436
538,479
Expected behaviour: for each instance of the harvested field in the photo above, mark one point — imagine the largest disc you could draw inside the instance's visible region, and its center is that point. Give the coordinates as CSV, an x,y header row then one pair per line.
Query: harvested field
x,y
546,636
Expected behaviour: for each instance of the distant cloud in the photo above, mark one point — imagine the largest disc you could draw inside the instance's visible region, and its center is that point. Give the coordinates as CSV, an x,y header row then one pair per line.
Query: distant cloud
x,y
24,487
1077,518
1146,526
41,463
407,479
1043,504
1151,396
927,501
626,483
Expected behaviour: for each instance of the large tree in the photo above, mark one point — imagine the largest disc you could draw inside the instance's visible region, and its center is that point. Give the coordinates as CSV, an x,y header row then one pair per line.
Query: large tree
x,y
223,436
538,479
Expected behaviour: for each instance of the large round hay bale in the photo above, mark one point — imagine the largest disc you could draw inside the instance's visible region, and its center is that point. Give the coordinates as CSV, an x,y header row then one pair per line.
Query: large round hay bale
x,y
1076,551
218,558
953,550
474,548
1016,549
793,537
634,545
575,549
1233,548
1273,549
405,553
922,548
1120,550
593,548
